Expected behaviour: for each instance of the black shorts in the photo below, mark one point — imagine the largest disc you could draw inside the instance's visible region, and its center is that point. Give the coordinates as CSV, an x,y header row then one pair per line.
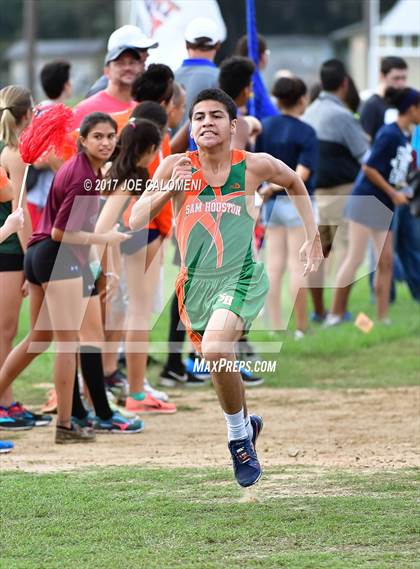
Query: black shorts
x,y
50,260
10,262
139,239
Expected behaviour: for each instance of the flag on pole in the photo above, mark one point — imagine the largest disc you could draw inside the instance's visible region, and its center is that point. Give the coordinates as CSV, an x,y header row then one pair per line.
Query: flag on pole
x,y
260,104
165,21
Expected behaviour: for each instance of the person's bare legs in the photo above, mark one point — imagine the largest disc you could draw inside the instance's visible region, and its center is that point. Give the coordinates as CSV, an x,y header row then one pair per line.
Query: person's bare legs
x,y
113,338
358,239
142,272
276,249
10,302
92,340
36,342
383,277
113,314
65,307
92,332
222,331
317,291
298,283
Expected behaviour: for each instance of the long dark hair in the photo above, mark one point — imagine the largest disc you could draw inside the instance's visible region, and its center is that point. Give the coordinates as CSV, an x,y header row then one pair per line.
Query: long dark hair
x,y
135,139
89,122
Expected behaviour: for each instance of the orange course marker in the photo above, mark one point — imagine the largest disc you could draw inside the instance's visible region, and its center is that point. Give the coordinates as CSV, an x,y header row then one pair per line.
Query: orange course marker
x,y
364,323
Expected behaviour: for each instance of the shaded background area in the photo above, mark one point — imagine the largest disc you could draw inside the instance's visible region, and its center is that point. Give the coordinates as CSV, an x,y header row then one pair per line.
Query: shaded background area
x,y
298,32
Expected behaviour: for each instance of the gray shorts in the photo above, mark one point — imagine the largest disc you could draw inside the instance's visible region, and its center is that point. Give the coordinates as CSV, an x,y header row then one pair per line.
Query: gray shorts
x,y
281,211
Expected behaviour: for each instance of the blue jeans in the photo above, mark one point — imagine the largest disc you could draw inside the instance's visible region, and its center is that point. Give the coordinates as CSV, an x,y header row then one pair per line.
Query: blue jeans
x,y
406,230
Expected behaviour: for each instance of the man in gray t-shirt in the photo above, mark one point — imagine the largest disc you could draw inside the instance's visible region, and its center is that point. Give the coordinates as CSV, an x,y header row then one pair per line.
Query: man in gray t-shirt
x,y
342,146
198,71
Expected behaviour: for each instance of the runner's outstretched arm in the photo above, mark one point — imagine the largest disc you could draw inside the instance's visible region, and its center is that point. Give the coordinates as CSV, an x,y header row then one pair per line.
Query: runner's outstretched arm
x,y
276,172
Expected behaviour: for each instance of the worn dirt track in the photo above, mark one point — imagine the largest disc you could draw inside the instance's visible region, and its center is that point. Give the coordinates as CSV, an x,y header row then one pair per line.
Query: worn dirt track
x,y
363,429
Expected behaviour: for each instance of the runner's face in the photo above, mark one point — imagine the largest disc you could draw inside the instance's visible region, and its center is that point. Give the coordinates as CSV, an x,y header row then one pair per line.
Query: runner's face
x,y
210,124
124,70
100,142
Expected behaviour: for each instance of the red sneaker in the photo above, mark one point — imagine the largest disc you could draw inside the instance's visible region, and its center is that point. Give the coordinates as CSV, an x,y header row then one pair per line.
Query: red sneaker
x,y
149,405
51,405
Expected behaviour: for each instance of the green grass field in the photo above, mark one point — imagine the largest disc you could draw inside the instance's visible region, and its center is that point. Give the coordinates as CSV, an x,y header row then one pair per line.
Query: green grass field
x,y
298,517
191,518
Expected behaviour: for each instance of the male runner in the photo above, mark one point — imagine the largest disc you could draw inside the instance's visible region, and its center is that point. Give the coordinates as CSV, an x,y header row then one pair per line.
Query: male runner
x,y
220,288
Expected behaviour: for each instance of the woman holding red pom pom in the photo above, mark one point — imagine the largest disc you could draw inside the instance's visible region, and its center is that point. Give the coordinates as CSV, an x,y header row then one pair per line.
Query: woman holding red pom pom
x,y
57,268
15,115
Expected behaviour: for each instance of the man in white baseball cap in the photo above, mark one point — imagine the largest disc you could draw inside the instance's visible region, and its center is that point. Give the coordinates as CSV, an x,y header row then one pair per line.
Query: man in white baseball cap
x,y
203,32
131,36
122,39
202,38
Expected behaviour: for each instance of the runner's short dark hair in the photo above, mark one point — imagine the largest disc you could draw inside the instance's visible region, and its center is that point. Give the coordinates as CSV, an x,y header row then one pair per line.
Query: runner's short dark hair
x,y
215,95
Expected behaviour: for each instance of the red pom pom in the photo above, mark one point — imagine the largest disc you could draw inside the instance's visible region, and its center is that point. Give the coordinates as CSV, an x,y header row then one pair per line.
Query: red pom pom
x,y
48,130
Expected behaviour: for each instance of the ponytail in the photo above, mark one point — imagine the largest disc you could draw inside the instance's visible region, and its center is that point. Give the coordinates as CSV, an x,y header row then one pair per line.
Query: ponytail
x,y
15,102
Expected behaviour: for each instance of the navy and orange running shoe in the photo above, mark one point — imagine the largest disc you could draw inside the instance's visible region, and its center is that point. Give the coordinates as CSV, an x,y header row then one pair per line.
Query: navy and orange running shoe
x,y
246,467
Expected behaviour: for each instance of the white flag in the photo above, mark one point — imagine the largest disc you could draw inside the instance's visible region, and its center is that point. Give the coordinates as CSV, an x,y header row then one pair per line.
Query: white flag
x,y
165,21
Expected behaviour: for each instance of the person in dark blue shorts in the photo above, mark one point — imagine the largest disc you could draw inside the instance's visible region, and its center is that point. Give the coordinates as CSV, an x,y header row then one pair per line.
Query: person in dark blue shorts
x,y
372,202
291,140
57,269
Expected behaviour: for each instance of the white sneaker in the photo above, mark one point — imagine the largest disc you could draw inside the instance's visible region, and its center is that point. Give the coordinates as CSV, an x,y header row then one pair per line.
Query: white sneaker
x,y
332,320
160,395
299,335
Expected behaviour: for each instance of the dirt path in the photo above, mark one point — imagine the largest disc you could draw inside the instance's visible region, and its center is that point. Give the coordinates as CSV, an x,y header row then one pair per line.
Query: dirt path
x,y
346,429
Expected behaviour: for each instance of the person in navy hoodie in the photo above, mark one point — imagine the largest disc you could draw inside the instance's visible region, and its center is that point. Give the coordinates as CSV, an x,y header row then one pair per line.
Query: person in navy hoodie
x,y
383,176
289,139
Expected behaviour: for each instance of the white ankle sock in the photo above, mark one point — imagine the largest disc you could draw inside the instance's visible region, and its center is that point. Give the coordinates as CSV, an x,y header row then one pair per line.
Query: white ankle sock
x,y
236,426
248,427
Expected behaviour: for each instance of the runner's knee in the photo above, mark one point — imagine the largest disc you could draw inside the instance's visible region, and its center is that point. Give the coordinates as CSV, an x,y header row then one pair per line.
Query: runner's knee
x,y
215,350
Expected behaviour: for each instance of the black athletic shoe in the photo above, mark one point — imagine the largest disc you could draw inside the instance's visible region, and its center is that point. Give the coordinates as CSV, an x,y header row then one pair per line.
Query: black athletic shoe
x,y
195,381
18,411
173,377
8,423
178,377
